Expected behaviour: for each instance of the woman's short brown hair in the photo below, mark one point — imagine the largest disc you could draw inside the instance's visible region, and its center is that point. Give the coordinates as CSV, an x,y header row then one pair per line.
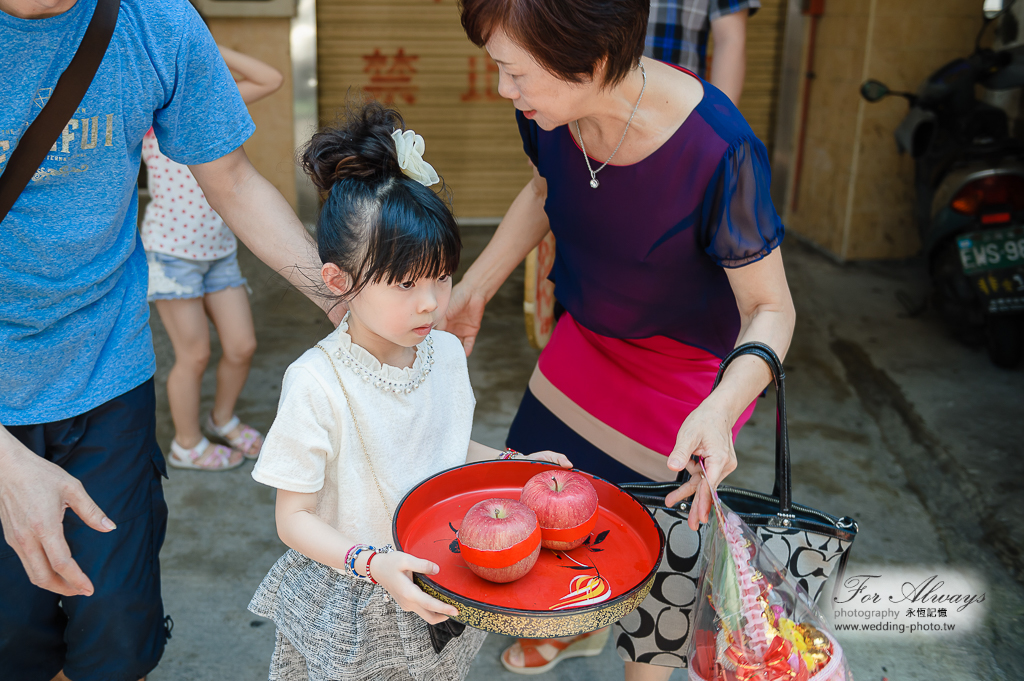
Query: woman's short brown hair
x,y
566,37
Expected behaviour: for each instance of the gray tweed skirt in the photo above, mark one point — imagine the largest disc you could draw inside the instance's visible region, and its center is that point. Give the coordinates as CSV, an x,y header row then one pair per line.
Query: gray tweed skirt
x,y
333,627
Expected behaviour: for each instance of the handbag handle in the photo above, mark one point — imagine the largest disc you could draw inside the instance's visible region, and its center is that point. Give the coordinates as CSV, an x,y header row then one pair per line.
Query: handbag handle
x,y
60,107
783,487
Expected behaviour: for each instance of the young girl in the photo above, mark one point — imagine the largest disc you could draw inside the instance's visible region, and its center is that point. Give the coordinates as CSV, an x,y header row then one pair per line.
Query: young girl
x,y
193,274
377,406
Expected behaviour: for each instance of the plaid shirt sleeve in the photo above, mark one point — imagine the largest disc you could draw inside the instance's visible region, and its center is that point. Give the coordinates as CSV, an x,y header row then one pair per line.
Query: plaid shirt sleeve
x,y
721,8
674,31
677,30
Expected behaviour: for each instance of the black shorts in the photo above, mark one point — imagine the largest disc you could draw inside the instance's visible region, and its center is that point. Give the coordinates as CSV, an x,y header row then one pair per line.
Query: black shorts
x,y
118,633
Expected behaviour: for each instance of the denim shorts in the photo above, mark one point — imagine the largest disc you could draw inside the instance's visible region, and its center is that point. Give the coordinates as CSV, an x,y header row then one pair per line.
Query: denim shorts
x,y
172,278
118,633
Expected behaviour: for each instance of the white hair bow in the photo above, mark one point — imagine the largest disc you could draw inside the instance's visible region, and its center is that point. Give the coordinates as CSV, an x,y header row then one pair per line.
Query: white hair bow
x,y
410,157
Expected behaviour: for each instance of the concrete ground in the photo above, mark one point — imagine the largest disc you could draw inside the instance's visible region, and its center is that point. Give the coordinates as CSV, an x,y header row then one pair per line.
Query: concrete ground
x,y
891,422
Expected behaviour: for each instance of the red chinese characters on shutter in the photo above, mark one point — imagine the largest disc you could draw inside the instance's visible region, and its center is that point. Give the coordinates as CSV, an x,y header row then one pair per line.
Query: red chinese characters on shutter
x,y
391,76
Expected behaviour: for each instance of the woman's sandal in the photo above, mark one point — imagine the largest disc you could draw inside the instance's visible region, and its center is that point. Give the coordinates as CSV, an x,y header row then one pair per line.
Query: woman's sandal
x,y
584,645
205,457
249,441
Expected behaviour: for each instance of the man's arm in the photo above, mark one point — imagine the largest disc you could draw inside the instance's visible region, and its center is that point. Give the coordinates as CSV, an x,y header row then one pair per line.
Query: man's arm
x,y
730,64
258,214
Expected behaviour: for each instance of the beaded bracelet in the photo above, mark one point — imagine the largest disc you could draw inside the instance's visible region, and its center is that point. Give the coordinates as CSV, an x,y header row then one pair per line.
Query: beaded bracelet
x,y
348,554
369,576
387,548
353,555
508,454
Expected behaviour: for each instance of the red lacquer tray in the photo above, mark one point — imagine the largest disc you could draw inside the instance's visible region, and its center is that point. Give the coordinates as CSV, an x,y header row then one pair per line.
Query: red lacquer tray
x,y
566,593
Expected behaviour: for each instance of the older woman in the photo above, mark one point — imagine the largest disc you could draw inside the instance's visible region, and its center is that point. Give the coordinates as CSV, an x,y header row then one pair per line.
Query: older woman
x,y
668,256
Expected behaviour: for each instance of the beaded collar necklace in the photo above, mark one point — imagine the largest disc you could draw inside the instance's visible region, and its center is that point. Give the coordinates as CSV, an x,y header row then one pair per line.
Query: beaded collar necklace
x,y
382,383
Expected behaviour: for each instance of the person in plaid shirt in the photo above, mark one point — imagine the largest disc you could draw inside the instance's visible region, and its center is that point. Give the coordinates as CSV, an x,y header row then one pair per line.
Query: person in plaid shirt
x,y
677,32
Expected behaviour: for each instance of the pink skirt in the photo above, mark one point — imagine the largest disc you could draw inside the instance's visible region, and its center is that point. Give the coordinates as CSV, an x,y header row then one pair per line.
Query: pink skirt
x,y
627,397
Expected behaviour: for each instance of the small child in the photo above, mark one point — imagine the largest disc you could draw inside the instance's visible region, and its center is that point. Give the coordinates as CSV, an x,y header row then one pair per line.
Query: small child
x,y
377,406
193,274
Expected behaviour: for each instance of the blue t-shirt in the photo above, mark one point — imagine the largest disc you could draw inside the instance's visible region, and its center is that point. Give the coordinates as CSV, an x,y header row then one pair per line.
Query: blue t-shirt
x,y
74,323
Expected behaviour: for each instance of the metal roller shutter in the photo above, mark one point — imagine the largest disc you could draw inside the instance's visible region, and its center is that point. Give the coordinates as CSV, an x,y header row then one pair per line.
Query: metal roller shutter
x,y
414,54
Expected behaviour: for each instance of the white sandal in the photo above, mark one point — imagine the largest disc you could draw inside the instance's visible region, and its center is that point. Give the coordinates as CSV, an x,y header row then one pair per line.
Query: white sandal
x,y
204,457
249,441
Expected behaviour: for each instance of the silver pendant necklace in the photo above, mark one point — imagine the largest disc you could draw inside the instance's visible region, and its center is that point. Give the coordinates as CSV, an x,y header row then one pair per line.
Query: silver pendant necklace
x,y
594,184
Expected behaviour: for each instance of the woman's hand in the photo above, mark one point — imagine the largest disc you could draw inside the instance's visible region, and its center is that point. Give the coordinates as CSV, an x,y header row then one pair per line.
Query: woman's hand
x,y
465,314
393,571
706,433
766,315
524,225
551,457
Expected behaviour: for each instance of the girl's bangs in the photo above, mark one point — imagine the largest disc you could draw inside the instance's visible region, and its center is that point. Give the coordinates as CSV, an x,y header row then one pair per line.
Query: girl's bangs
x,y
400,257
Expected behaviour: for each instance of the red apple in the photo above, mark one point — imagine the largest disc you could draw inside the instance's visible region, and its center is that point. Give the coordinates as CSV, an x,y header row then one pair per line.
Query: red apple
x,y
566,506
499,539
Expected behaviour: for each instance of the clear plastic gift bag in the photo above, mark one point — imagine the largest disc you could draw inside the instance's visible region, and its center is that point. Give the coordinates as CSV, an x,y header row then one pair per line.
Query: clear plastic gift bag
x,y
753,622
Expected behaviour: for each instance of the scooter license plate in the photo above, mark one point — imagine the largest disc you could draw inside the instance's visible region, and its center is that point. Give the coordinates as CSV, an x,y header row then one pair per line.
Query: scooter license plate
x,y
994,261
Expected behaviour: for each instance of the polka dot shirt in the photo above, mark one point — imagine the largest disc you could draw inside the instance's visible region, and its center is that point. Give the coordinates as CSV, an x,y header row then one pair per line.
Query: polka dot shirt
x,y
178,219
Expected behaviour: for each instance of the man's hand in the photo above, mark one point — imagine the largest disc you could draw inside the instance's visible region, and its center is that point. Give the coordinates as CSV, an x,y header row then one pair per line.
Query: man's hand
x,y
337,313
33,496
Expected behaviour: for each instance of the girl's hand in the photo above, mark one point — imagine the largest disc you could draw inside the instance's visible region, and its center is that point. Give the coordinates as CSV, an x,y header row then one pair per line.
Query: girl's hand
x,y
706,433
256,79
464,316
550,457
393,571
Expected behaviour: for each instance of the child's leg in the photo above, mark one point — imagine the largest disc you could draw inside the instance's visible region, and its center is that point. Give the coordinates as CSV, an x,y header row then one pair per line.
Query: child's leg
x,y
185,321
229,310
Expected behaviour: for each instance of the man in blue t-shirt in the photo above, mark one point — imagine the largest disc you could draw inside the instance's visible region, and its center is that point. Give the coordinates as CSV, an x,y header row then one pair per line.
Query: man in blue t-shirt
x,y
81,590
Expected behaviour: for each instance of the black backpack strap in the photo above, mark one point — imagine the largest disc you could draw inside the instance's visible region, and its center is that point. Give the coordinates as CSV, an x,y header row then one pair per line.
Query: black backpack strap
x,y
67,95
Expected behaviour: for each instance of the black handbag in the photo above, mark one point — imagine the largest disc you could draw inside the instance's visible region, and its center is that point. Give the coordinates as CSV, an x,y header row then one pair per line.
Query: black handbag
x,y
812,544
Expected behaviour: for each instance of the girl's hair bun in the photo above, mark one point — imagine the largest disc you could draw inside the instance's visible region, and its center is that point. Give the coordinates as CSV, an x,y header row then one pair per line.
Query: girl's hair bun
x,y
376,223
358,147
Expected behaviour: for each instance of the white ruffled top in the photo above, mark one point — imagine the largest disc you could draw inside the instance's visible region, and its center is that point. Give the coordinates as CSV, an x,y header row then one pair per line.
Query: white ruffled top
x,y
410,434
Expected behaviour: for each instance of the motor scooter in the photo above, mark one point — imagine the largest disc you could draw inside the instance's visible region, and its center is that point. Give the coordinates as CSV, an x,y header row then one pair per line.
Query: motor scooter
x,y
969,193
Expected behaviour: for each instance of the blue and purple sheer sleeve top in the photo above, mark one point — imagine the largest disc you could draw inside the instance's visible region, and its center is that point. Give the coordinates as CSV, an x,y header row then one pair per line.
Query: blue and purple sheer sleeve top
x,y
643,254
